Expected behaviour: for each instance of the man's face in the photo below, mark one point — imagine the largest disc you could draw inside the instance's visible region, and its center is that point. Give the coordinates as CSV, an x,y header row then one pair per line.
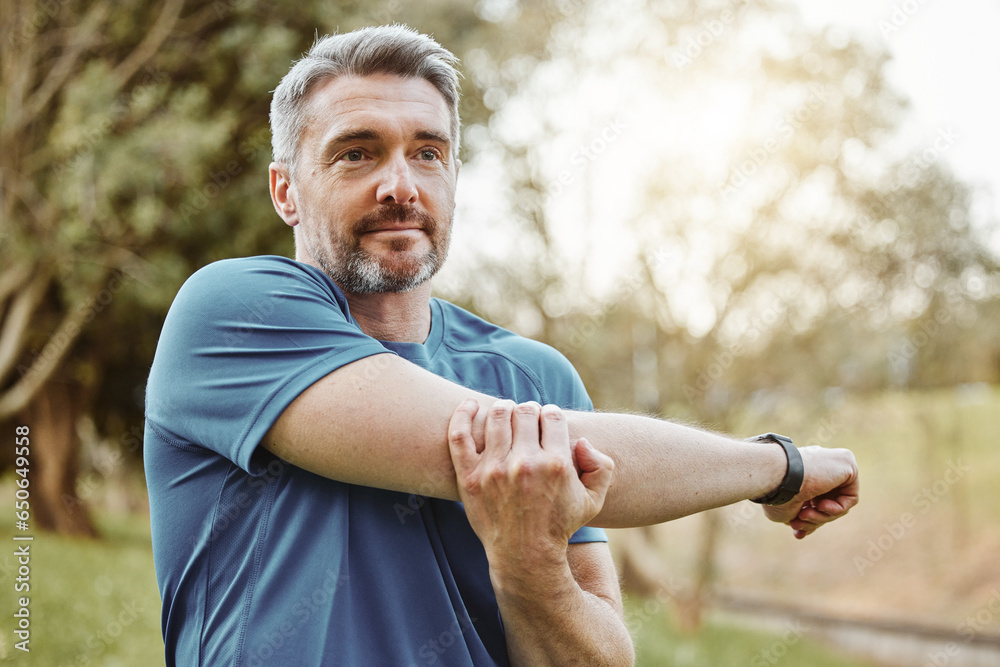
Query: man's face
x,y
374,186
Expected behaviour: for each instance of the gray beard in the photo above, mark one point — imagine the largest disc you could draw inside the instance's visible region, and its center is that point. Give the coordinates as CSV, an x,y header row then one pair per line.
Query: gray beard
x,y
362,274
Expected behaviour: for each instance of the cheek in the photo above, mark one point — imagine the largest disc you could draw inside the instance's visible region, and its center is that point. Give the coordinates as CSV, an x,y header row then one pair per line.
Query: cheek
x,y
441,194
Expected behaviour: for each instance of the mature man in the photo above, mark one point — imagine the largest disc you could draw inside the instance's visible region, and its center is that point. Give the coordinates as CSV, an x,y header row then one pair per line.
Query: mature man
x,y
313,424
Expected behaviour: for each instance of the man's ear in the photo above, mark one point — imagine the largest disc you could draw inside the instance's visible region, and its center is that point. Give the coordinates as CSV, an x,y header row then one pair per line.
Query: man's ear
x,y
283,193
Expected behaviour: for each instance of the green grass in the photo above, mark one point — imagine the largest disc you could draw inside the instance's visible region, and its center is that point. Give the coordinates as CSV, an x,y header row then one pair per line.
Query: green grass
x,y
93,602
658,643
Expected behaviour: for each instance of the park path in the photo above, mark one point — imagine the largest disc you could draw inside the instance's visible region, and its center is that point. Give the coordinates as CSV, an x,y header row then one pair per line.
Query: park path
x,y
891,643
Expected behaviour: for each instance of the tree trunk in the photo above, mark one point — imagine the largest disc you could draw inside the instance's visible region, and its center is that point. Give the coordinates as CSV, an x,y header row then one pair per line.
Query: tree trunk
x,y
52,416
691,610
638,562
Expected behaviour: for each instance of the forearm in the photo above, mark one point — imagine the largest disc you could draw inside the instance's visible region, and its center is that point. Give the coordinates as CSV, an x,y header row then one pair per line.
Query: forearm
x,y
383,422
550,620
664,470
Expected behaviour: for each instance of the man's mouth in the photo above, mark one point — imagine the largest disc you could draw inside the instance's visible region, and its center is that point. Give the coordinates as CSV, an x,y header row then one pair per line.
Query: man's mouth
x,y
389,231
395,220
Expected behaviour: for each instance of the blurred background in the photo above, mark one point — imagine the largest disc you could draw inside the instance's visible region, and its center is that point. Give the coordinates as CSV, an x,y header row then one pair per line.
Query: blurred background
x,y
769,216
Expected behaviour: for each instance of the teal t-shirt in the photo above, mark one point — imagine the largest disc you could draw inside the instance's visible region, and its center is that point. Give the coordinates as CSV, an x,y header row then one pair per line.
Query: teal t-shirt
x,y
262,563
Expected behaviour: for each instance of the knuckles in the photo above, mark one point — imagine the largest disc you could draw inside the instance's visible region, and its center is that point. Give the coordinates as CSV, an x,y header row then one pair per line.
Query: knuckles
x,y
524,470
458,434
501,409
529,409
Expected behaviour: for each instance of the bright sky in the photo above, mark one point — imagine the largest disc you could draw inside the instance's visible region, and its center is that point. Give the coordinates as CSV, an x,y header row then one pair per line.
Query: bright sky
x,y
946,59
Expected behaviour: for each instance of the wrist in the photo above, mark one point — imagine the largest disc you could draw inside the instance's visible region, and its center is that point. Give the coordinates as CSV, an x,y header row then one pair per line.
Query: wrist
x,y
791,483
541,575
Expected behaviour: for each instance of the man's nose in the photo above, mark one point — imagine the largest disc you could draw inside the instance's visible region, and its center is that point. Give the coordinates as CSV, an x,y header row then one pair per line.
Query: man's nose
x,y
396,184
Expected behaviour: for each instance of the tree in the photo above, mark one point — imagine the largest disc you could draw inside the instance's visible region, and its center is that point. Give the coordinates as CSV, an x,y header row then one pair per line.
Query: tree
x,y
135,150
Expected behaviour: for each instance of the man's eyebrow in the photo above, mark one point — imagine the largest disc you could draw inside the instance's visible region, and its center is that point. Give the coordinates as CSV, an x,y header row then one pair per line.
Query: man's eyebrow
x,y
349,136
431,135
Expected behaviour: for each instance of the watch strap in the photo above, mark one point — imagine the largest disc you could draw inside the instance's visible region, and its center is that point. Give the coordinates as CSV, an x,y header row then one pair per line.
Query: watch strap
x,y
792,482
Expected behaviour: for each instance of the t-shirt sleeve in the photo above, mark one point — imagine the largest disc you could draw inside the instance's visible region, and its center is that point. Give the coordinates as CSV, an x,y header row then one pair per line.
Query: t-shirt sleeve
x,y
242,339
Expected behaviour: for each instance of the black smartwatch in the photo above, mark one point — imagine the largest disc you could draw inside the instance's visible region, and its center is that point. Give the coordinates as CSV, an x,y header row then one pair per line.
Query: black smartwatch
x,y
792,482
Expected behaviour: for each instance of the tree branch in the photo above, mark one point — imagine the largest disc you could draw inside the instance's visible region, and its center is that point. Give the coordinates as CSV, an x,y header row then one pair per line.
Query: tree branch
x,y
15,325
82,39
45,365
23,188
11,279
151,44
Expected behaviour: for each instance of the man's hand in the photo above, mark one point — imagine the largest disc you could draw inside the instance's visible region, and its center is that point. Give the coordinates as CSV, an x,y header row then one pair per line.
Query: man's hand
x,y
530,488
829,491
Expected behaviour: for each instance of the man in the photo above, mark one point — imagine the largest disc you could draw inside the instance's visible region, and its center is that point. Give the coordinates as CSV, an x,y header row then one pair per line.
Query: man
x,y
312,424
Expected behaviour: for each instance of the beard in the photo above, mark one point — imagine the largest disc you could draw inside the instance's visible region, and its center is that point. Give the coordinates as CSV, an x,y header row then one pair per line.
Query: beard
x,y
357,271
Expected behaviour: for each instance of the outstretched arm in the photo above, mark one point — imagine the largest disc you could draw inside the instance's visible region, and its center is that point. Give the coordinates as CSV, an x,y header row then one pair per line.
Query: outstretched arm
x,y
383,422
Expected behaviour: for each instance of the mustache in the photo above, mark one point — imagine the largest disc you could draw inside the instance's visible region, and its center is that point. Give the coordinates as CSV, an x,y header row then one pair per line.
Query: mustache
x,y
390,214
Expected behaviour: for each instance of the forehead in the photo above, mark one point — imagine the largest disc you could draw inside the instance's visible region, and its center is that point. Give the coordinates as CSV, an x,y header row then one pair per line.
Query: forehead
x,y
380,100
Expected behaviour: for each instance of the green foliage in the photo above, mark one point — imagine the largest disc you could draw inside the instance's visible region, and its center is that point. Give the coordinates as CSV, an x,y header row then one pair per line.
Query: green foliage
x,y
147,159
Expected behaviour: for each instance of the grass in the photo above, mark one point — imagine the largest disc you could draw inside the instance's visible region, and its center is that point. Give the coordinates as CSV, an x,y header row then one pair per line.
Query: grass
x,y
659,643
93,602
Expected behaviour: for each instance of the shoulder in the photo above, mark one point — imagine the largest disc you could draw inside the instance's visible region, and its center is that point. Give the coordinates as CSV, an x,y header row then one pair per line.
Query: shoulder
x,y
238,273
255,285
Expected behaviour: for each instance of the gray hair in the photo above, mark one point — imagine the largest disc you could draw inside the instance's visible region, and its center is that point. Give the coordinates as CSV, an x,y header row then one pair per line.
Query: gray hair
x,y
390,49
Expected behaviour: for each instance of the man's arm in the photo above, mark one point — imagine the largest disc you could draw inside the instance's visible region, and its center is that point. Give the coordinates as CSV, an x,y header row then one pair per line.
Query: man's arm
x,y
524,497
383,422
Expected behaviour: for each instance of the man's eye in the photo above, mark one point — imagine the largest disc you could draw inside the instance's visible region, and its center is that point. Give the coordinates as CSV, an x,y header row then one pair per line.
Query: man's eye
x,y
353,156
428,154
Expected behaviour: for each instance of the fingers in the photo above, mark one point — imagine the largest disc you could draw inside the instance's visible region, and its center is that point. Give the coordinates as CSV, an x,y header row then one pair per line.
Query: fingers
x,y
555,432
527,429
499,436
831,489
525,425
596,468
818,512
460,441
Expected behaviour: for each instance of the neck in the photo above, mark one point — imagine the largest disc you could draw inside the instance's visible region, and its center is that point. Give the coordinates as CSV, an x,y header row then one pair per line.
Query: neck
x,y
400,317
